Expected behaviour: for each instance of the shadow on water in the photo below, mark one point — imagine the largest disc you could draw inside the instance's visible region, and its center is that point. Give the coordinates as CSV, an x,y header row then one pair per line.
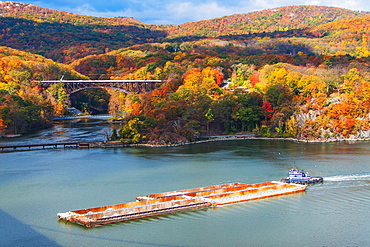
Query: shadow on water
x,y
20,234
123,242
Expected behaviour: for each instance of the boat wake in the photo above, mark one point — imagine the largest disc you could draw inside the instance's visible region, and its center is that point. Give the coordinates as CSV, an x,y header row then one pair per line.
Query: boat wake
x,y
347,178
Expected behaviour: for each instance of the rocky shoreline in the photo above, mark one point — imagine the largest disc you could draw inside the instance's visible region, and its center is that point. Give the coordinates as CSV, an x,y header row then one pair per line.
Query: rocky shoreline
x,y
206,139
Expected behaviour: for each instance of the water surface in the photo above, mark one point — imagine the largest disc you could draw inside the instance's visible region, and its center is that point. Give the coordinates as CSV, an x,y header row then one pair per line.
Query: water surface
x,y
35,185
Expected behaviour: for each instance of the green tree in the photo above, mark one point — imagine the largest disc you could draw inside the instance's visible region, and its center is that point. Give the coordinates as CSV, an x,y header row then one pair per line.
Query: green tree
x,y
223,109
210,117
130,132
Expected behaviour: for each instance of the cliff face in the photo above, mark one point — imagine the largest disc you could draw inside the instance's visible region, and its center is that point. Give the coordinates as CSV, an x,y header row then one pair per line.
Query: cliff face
x,y
312,128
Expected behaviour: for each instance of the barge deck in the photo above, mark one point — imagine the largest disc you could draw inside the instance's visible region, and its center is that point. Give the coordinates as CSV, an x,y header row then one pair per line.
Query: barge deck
x,y
178,201
132,210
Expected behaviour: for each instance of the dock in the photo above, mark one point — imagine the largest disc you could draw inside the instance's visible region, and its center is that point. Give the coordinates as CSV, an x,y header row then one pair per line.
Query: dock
x,y
19,147
55,145
179,201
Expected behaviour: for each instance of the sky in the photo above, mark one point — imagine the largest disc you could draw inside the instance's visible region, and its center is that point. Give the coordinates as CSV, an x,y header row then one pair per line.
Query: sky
x,y
181,11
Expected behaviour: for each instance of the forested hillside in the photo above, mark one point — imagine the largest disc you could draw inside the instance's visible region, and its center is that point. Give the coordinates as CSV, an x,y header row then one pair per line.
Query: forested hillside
x,y
24,105
64,36
298,71
301,95
277,21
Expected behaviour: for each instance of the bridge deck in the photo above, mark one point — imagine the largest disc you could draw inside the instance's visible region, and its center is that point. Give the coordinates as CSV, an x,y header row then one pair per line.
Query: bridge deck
x,y
128,86
103,81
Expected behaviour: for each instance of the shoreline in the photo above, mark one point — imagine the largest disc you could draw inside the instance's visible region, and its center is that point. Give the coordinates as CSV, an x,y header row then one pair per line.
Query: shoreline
x,y
116,144
206,139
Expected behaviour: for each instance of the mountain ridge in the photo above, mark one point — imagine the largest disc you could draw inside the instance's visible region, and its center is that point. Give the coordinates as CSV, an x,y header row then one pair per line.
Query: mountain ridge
x,y
34,12
276,19
64,36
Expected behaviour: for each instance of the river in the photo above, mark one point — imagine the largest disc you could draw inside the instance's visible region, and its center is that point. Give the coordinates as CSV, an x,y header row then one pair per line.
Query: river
x,y
37,184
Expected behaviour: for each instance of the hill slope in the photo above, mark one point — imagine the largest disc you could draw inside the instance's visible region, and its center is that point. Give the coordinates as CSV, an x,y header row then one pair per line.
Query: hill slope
x,y
24,105
345,37
269,20
39,14
65,37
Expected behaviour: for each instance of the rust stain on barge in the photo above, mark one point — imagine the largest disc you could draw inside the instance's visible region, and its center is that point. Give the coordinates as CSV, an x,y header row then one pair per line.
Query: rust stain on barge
x,y
178,201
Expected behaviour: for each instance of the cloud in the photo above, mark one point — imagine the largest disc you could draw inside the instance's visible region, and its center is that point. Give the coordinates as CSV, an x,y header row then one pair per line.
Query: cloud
x,y
197,11
169,13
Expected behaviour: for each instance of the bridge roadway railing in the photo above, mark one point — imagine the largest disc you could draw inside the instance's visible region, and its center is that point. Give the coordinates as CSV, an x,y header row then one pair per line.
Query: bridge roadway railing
x,y
102,117
134,86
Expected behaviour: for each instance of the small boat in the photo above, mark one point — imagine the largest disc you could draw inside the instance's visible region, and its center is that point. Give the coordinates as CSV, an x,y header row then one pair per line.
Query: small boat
x,y
301,177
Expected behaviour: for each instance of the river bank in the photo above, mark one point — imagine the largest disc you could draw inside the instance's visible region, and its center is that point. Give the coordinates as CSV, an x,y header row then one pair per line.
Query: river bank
x,y
83,144
205,139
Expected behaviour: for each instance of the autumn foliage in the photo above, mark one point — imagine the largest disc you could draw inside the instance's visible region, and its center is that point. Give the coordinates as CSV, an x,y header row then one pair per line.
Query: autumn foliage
x,y
24,105
299,71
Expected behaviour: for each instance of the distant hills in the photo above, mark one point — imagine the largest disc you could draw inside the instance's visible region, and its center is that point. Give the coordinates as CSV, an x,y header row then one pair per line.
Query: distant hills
x,y
265,21
64,36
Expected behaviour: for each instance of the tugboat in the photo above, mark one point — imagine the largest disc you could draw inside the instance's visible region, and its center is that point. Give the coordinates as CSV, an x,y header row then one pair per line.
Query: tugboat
x,y
301,177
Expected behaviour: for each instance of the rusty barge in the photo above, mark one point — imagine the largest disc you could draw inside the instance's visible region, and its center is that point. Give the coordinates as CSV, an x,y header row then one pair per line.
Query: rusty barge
x,y
178,201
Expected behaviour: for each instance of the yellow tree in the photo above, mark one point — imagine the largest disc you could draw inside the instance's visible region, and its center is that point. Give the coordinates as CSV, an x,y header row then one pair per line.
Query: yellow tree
x,y
190,88
211,78
278,76
197,82
116,103
311,85
272,75
351,80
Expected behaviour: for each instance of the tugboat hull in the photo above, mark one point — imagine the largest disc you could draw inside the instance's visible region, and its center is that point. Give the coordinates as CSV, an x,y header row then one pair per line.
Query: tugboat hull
x,y
313,180
301,177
